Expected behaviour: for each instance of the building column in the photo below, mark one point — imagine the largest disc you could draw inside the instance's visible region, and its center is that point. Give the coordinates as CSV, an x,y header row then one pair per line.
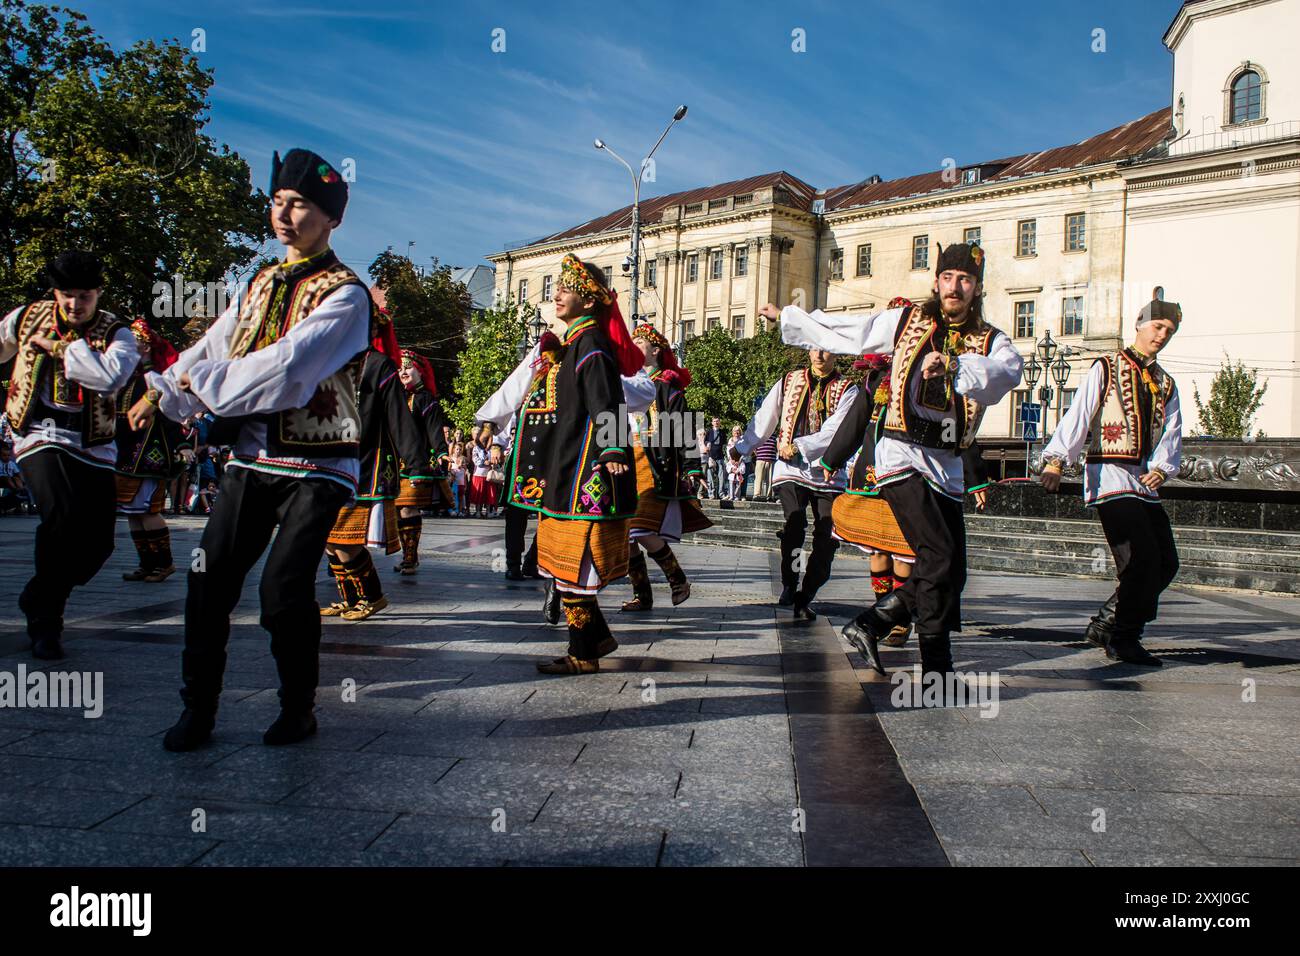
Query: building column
x,y
701,287
728,266
762,276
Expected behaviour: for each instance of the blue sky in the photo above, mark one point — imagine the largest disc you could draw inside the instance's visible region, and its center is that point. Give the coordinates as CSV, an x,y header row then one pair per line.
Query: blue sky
x,y
464,150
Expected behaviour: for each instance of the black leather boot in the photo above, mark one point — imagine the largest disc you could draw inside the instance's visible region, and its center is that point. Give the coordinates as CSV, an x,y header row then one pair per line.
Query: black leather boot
x,y
639,575
193,730
865,631
1125,645
551,606
936,653
1103,622
290,727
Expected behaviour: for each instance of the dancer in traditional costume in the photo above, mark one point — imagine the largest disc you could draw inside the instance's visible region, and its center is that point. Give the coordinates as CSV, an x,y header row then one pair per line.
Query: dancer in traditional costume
x,y
586,482
72,358
389,438
947,366
1129,405
279,369
147,461
666,476
418,496
804,409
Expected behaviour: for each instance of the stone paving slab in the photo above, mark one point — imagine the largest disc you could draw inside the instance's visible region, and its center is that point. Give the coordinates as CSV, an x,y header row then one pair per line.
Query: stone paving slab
x,y
720,734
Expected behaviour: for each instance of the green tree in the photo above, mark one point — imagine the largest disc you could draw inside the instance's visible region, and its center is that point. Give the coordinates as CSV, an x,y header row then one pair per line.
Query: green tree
x,y
490,355
105,151
728,375
1235,397
430,309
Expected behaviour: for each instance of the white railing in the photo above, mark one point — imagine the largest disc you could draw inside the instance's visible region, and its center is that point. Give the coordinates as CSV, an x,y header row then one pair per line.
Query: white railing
x,y
1227,139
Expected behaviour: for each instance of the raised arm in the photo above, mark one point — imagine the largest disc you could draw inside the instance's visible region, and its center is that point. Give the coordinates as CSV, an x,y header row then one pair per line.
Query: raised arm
x,y
849,431
840,333
505,401
639,391
176,403
988,378
9,335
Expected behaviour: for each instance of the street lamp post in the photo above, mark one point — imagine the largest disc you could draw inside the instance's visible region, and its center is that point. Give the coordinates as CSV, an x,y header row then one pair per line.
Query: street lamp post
x,y
636,206
1033,369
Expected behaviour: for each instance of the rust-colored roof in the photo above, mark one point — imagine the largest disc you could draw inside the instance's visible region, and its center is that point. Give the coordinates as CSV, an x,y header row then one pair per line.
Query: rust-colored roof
x,y
652,209
1131,139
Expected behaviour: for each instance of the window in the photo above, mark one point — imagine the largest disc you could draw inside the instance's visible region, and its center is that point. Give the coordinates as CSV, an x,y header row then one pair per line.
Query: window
x,y
738,325
694,207
969,177
1076,232
742,260
837,263
548,287
1246,99
864,260
972,235
744,200
1072,315
692,267
1067,399
920,252
715,204
1027,237
712,322
688,329
1018,398
1025,320
715,264
523,290
651,270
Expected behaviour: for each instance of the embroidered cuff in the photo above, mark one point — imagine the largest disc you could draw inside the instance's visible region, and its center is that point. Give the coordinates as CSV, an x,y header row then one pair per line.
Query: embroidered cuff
x,y
612,455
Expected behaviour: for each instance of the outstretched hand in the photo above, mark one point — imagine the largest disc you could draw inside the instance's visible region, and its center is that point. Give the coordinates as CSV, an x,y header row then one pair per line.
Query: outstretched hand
x,y
770,312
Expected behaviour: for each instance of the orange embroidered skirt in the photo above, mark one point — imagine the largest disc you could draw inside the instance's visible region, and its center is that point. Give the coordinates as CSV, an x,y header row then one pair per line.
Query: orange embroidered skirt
x,y
140,496
366,524
582,556
415,494
668,518
868,522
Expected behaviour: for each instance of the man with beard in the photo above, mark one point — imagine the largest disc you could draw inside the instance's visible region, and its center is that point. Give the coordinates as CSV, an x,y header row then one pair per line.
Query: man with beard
x,y
947,366
1129,405
72,357
804,409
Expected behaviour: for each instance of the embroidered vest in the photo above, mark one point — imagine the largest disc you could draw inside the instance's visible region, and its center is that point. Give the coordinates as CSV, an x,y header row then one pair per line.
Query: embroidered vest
x,y
1131,418
328,426
32,365
796,392
918,336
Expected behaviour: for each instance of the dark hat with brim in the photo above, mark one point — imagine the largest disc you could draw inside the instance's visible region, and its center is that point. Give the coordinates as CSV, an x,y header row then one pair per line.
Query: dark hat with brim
x,y
963,257
305,172
75,270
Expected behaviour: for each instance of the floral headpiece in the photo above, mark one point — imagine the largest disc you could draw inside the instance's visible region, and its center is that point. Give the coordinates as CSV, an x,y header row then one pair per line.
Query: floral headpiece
x,y
652,335
575,277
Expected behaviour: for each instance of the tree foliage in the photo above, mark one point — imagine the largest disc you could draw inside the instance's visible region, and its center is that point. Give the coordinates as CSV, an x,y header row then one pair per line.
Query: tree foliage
x,y
490,355
105,151
729,375
1235,397
430,311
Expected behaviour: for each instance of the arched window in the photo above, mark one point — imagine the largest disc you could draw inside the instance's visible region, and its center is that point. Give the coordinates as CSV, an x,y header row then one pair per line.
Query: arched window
x,y
1246,99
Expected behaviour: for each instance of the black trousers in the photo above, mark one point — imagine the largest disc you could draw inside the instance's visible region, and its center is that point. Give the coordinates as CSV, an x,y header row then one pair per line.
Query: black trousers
x,y
78,508
795,500
250,506
935,530
516,530
1146,558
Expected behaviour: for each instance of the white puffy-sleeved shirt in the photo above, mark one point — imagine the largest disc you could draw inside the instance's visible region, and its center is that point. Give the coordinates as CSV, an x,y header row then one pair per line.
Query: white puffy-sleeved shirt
x,y
281,376
105,372
984,378
806,470
1106,481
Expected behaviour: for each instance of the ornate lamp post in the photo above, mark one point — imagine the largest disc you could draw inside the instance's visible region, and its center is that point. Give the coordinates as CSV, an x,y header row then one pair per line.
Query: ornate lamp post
x,y
1033,370
635,259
